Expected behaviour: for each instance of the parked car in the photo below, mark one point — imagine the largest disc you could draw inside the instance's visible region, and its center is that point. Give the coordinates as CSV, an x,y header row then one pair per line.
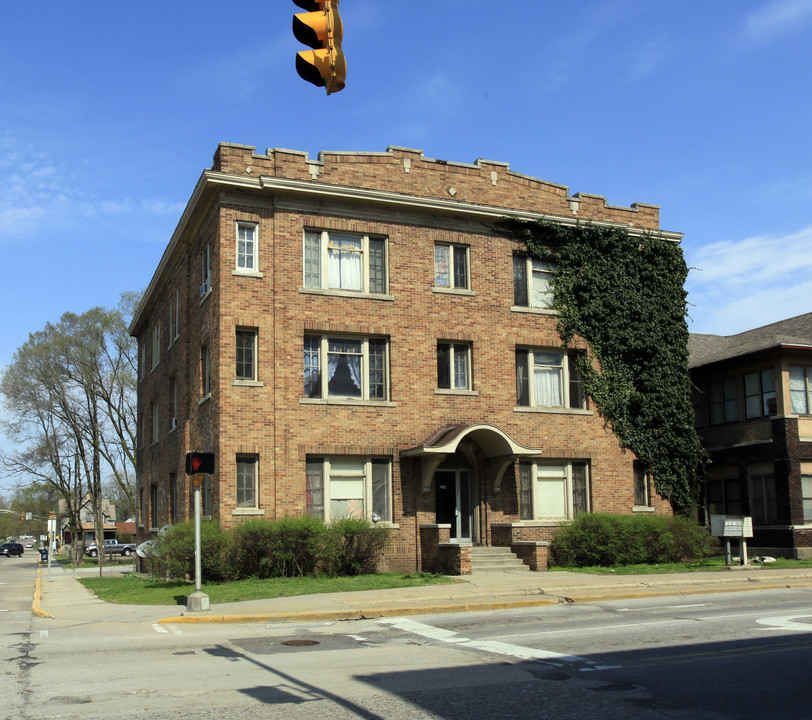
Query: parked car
x,y
111,547
29,544
11,549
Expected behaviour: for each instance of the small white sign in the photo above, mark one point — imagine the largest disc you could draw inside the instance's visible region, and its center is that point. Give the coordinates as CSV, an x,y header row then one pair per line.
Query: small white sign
x,y
731,526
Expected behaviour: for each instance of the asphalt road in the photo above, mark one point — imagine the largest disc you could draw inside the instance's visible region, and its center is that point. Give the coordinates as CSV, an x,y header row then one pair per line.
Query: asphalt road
x,y
736,655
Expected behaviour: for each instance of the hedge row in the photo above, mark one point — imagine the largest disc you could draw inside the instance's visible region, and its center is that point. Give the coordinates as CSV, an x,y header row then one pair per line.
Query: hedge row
x,y
266,549
606,540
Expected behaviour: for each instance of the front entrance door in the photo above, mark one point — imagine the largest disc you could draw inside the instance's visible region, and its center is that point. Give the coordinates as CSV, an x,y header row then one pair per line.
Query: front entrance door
x,y
453,491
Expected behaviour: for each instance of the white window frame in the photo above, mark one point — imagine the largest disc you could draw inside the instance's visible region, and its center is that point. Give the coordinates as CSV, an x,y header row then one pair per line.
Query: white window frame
x,y
242,463
247,261
156,344
445,275
558,478
205,273
800,389
254,333
568,378
316,359
537,281
337,474
458,352
316,271
806,495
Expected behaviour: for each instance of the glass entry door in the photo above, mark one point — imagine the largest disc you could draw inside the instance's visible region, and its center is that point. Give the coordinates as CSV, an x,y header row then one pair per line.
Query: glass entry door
x,y
453,493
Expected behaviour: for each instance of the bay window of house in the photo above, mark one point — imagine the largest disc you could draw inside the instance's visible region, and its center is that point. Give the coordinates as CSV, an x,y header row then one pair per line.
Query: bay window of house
x,y
548,378
763,502
554,490
723,402
451,267
156,343
247,249
205,372
724,497
340,487
532,283
205,272
453,366
337,261
345,367
759,394
246,354
247,481
800,389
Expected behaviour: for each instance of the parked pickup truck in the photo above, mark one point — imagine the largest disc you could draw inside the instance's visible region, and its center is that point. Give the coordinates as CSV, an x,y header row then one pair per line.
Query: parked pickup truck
x,y
111,547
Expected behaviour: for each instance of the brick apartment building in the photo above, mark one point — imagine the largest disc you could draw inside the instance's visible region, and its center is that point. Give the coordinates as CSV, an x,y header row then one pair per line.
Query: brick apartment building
x,y
350,336
754,414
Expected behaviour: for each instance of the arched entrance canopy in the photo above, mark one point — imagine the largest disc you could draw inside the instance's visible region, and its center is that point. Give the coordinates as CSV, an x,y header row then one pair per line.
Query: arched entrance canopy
x,y
495,444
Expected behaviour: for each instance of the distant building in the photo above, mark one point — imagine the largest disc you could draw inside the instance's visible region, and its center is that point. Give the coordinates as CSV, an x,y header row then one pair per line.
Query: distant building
x,y
88,525
754,413
351,337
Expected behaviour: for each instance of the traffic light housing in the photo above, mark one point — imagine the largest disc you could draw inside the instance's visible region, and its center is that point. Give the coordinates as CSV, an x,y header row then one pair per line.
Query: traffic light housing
x,y
321,29
199,463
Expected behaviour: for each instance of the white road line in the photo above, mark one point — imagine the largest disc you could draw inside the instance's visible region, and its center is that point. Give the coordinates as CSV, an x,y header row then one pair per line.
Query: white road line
x,y
159,629
662,607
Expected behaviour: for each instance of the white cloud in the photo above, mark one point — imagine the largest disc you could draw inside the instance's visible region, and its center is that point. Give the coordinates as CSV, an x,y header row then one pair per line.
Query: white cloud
x,y
742,284
777,18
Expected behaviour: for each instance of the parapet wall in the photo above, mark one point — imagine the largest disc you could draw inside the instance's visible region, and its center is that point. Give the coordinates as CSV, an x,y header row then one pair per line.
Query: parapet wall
x,y
406,171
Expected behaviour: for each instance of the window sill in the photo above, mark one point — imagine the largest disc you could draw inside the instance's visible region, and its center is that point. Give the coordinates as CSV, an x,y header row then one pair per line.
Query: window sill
x,y
642,509
533,310
554,410
346,401
452,391
204,399
248,511
248,383
247,273
453,291
346,293
205,297
542,522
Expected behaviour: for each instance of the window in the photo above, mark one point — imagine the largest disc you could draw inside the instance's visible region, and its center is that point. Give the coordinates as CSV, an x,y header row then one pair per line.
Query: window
x,y
173,492
142,360
153,505
349,487
554,490
548,378
246,481
759,394
333,261
156,424
451,266
344,367
800,389
641,486
247,260
156,344
724,497
453,366
246,355
806,493
205,371
763,502
723,401
205,267
174,317
532,283
173,404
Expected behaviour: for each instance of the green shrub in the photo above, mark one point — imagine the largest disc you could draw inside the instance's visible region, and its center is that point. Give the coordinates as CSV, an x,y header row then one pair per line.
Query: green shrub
x,y
173,554
355,546
289,547
606,540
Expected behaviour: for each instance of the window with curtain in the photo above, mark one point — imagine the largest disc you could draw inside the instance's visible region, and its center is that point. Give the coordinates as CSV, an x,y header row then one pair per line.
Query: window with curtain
x,y
451,266
533,283
548,378
345,367
553,489
453,366
340,487
338,261
800,389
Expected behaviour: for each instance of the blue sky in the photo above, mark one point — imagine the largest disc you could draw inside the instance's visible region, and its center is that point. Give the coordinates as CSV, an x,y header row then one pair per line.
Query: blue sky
x,y
109,112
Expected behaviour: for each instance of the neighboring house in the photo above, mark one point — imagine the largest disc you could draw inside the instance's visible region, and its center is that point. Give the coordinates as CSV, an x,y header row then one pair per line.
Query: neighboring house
x,y
754,414
88,526
351,337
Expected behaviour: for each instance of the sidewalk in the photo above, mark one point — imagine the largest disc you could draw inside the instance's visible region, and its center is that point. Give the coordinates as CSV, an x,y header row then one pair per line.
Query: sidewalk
x,y
62,597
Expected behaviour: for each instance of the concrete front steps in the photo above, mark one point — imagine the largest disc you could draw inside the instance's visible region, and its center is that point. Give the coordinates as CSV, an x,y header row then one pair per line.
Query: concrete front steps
x,y
488,559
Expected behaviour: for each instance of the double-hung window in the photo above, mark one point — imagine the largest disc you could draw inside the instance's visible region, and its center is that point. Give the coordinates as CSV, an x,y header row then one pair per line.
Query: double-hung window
x,y
156,343
723,402
532,283
345,368
340,487
548,378
338,261
806,491
642,497
156,423
205,371
556,490
800,389
451,266
247,481
246,354
453,366
759,394
763,501
205,271
247,248
174,317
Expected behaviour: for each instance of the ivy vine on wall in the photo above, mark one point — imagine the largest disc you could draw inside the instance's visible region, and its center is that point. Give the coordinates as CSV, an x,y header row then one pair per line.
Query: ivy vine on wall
x,y
624,295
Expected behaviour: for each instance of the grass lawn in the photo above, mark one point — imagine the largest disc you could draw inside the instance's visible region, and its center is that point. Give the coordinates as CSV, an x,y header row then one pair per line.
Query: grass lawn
x,y
138,590
712,563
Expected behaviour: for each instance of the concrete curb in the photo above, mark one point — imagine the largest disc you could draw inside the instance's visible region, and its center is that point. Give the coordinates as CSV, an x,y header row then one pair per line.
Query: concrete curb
x,y
36,609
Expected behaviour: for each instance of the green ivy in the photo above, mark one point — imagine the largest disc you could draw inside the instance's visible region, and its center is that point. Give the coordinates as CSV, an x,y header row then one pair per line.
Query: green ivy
x,y
624,295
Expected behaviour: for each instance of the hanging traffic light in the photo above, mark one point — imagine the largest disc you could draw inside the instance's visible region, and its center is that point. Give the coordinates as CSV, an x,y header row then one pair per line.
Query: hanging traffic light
x,y
320,28
199,463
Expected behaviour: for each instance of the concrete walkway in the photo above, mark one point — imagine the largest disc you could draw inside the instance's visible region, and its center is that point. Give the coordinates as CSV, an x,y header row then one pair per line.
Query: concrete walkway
x,y
60,596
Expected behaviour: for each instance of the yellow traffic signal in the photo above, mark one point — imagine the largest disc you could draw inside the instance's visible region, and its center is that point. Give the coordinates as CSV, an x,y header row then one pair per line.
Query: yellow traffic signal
x,y
320,28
